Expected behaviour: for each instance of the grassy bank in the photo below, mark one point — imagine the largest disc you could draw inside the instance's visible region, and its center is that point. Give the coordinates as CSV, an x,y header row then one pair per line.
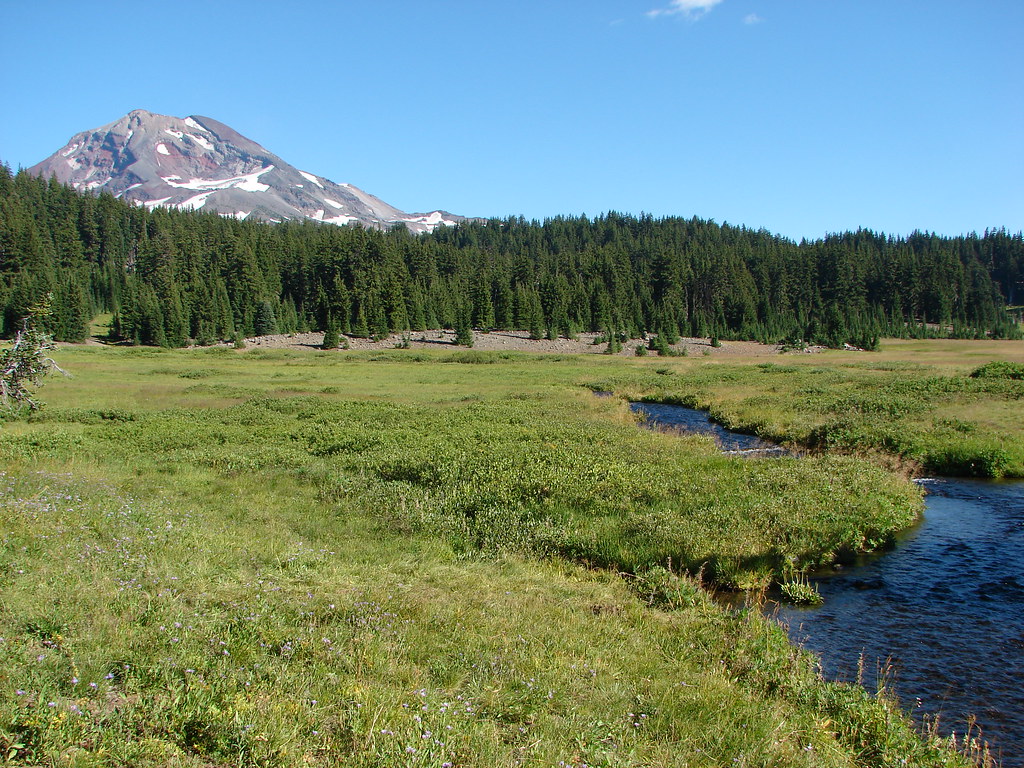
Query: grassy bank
x,y
215,558
939,405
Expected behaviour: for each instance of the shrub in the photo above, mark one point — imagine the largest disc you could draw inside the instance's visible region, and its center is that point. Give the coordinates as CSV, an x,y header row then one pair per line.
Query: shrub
x,y
969,459
660,588
800,591
999,369
331,338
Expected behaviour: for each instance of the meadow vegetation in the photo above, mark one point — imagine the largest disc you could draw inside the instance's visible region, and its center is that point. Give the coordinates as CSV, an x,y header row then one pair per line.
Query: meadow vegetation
x,y
940,407
221,557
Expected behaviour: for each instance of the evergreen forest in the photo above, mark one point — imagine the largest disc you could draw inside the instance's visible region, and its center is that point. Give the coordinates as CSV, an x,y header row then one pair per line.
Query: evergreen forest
x,y
173,278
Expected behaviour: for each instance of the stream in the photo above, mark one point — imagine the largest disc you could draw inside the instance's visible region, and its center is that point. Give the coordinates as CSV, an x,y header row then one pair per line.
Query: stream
x,y
940,617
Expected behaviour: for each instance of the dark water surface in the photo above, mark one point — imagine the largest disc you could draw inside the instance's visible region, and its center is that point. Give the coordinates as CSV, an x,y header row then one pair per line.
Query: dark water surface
x,y
942,613
945,610
658,416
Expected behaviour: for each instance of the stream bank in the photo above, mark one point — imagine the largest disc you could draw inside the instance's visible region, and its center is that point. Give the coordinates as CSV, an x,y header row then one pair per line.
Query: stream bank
x,y
939,619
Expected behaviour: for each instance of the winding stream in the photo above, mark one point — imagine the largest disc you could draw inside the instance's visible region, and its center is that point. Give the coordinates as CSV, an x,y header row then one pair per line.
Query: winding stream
x,y
692,421
942,614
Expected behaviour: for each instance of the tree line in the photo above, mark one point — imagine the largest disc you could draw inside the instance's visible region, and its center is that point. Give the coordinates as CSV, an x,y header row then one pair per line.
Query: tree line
x,y
173,278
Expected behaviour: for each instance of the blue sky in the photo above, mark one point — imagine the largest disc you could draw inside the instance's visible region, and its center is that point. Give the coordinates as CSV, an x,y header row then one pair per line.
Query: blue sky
x,y
800,116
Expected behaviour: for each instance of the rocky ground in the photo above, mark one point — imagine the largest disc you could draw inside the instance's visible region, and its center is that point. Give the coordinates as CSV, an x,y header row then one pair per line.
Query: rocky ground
x,y
514,341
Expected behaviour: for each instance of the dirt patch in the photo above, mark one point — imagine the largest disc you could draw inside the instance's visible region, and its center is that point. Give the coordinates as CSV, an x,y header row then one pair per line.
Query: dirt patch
x,y
515,341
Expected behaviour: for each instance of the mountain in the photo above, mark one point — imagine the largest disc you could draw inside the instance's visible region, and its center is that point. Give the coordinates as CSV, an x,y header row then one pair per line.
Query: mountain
x,y
199,163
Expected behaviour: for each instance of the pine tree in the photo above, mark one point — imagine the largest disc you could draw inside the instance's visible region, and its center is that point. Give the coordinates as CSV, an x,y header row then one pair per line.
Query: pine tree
x,y
265,321
535,317
332,338
70,315
463,327
361,329
25,363
170,275
289,321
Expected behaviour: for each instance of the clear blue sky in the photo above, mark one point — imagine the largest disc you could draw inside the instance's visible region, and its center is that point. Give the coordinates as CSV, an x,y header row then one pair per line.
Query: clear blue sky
x,y
800,116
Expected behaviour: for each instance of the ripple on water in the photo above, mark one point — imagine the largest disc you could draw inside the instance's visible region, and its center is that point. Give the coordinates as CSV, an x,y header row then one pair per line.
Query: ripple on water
x,y
942,613
939,617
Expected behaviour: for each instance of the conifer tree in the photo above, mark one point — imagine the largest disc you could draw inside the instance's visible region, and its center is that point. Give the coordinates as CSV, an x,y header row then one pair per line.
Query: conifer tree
x,y
332,338
265,320
25,363
170,275
463,326
361,329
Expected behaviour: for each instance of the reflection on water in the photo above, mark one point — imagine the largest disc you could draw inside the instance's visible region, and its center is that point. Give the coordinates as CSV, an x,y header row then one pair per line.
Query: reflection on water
x,y
945,609
692,421
943,612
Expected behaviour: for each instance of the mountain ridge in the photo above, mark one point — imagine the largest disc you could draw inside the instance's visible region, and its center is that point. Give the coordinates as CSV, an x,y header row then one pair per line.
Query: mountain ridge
x,y
198,162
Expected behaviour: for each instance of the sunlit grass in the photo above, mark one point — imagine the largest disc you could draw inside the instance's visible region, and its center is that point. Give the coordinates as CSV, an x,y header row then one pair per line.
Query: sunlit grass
x,y
915,402
221,558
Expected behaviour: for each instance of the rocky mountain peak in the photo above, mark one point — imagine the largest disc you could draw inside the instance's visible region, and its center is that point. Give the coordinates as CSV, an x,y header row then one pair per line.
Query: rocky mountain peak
x,y
198,163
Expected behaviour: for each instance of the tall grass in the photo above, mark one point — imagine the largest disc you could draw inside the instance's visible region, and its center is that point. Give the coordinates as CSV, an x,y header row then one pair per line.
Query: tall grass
x,y
944,418
216,570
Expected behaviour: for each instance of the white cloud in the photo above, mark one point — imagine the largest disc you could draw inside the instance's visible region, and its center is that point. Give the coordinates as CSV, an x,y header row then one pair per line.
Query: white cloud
x,y
692,9
752,18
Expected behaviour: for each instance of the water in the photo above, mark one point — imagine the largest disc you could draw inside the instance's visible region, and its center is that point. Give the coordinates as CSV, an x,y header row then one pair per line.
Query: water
x,y
942,615
944,610
658,416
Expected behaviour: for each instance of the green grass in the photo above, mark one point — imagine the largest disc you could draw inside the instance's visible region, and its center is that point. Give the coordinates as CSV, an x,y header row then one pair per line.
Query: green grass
x,y
949,408
99,328
218,558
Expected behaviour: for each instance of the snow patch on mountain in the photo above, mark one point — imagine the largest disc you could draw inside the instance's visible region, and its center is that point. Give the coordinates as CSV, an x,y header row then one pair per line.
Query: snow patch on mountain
x,y
311,177
197,162
340,220
248,183
194,203
251,182
200,141
431,221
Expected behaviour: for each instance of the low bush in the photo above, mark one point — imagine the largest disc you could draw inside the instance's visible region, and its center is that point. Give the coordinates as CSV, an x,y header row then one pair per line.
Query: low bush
x,y
999,369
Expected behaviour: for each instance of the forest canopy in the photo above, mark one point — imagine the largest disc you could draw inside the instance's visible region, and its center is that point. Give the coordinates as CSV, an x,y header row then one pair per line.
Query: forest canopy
x,y
173,278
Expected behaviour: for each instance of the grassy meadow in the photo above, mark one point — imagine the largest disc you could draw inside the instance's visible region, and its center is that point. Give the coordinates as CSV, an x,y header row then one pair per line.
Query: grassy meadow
x,y
947,407
283,558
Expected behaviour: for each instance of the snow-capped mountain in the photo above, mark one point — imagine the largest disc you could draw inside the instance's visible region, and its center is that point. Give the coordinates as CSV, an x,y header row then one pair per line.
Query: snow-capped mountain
x,y
199,163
